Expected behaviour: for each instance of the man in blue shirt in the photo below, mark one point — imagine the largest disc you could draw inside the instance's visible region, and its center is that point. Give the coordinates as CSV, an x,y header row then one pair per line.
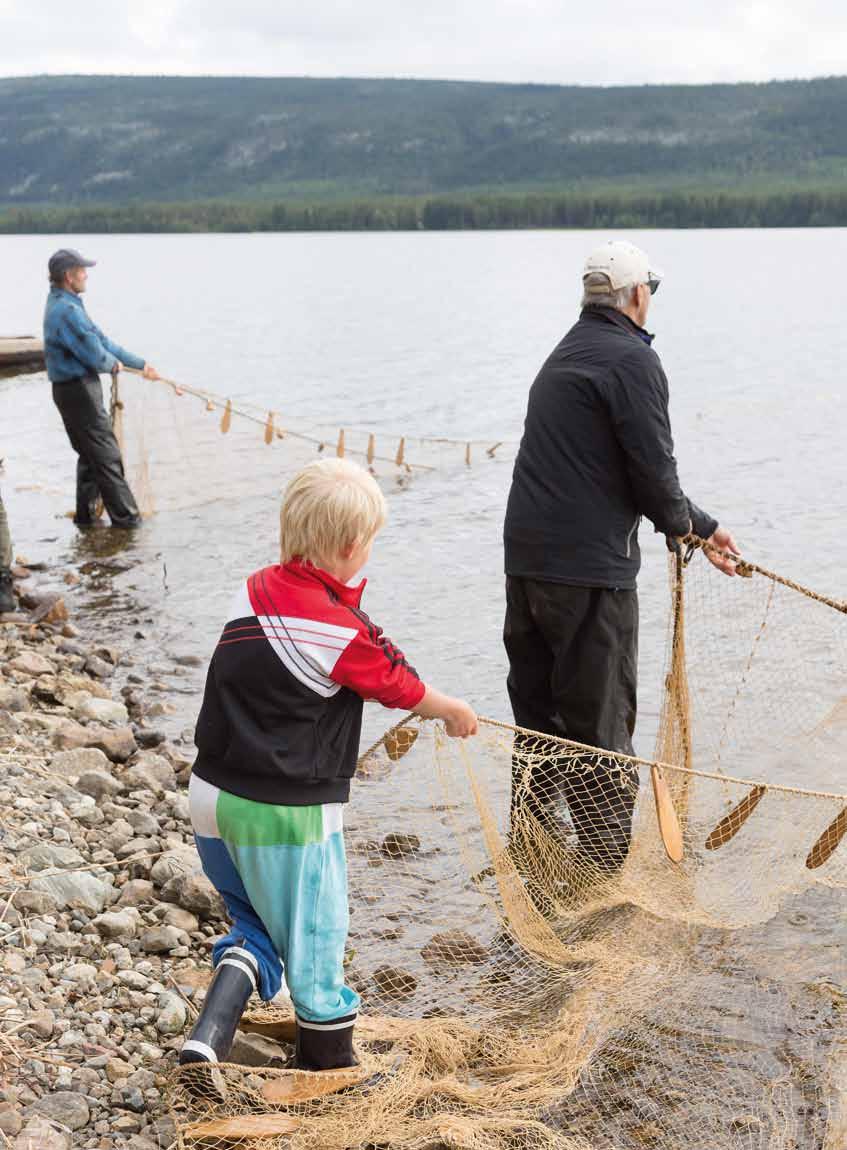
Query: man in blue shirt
x,y
76,352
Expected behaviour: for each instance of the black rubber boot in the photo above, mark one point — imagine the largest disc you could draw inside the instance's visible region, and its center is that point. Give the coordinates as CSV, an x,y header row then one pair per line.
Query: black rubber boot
x,y
325,1045
8,602
236,977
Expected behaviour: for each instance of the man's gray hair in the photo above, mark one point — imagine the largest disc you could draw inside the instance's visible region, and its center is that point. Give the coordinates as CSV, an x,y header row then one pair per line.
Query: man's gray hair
x,y
597,291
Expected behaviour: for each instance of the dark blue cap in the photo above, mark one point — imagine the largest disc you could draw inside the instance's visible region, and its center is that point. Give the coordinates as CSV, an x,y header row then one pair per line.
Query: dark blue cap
x,y
65,259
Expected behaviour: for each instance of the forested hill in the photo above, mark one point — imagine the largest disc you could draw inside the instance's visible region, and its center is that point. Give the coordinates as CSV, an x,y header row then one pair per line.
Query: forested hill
x,y
121,140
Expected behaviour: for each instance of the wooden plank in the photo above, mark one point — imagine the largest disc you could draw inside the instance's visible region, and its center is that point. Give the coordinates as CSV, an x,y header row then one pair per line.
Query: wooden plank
x,y
828,841
241,1128
731,824
288,1087
669,827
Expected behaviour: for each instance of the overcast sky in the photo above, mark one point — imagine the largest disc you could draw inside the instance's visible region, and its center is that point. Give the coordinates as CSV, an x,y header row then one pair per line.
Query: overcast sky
x,y
551,41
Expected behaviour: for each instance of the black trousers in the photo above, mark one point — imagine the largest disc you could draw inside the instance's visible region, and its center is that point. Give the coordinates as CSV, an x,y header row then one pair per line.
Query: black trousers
x,y
99,468
573,654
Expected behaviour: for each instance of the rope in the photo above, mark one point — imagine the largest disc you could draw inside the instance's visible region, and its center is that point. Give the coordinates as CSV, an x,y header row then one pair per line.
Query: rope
x,y
745,568
663,766
265,421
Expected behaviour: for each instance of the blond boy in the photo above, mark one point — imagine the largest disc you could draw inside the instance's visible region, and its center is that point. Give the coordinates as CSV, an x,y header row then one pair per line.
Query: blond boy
x,y
277,740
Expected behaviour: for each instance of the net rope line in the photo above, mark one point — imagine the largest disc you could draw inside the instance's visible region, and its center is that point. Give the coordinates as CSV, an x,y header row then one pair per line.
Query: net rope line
x,y
641,762
266,419
746,568
267,422
490,444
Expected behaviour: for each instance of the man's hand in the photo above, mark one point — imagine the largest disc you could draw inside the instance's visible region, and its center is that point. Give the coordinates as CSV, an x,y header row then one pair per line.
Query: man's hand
x,y
460,721
150,372
118,366
724,541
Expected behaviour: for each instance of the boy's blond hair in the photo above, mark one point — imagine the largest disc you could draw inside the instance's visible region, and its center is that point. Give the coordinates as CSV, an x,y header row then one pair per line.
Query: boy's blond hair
x,y
330,505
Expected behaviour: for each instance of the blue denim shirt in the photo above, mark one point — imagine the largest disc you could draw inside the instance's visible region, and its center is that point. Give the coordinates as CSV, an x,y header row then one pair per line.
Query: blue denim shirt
x,y
73,344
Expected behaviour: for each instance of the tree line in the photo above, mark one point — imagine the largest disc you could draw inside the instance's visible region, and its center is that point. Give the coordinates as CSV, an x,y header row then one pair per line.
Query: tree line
x,y
678,209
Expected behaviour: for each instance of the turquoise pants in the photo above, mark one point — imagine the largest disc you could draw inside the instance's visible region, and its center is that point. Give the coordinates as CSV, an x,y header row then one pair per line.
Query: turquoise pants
x,y
282,873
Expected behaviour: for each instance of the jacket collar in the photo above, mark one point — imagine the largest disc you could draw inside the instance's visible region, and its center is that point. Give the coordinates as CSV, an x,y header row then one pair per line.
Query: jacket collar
x,y
63,293
305,572
612,315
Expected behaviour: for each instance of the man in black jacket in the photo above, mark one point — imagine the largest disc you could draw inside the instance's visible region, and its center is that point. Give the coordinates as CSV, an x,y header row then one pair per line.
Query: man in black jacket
x,y
596,455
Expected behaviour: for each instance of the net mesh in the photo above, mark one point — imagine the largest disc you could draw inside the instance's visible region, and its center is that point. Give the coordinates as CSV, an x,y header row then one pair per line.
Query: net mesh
x,y
564,948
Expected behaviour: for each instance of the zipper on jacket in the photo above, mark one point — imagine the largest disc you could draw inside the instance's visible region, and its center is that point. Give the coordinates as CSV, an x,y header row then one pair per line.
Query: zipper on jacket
x,y
632,531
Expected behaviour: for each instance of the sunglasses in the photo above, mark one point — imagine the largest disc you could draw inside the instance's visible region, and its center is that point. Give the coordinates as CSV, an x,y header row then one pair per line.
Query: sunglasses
x,y
653,285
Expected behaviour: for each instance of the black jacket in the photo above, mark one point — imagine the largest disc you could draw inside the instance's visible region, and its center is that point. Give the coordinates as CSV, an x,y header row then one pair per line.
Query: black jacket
x,y
282,709
595,456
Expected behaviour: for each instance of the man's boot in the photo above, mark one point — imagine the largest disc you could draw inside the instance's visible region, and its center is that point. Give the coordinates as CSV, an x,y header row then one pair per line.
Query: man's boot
x,y
325,1045
8,602
236,977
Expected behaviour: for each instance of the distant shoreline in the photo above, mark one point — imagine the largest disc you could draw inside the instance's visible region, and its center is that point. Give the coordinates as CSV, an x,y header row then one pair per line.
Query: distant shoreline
x,y
798,208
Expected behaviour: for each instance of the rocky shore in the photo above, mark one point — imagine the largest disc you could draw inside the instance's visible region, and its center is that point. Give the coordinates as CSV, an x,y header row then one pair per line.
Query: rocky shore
x,y
106,921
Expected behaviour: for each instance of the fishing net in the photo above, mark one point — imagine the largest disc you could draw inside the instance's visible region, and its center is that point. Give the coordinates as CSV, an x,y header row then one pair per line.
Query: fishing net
x,y
533,979
188,447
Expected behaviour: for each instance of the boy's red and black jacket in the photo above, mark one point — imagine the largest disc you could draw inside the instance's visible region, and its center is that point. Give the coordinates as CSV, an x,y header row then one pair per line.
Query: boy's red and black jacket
x,y
282,708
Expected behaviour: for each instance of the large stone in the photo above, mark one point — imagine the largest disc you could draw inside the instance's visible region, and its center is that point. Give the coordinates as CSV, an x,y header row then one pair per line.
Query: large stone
x,y
13,699
42,1134
31,664
79,759
98,784
172,1014
101,711
117,743
151,773
65,1107
194,892
49,856
75,891
120,924
35,902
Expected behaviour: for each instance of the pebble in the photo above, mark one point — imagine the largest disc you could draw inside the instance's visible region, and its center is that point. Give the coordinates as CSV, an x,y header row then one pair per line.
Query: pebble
x,y
117,923
99,784
136,892
102,711
172,1014
160,939
88,988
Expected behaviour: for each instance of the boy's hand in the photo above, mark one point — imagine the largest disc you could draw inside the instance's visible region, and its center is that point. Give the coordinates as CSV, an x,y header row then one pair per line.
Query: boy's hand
x,y
459,718
461,721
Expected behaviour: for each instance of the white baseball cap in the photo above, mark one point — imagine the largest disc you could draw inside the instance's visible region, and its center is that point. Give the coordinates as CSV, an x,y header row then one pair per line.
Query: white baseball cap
x,y
624,264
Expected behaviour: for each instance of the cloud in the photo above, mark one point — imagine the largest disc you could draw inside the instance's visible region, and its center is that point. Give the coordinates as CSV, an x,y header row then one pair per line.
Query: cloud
x,y
548,41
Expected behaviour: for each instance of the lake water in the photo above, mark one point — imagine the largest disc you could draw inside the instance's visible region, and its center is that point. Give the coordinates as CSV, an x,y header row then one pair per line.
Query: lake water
x,y
437,335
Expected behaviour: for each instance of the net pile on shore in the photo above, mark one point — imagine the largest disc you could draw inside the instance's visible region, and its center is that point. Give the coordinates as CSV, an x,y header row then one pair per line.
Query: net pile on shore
x,y
519,994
